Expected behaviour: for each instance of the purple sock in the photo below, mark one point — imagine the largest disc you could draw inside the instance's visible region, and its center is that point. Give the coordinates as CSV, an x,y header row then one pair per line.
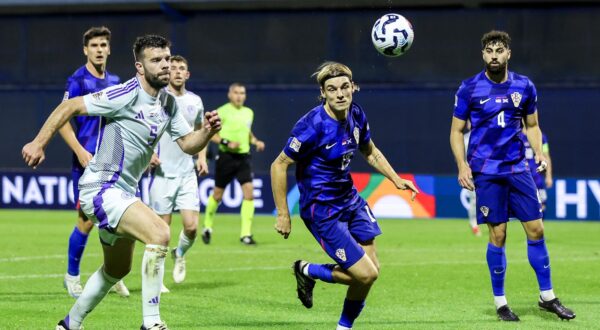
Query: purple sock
x,y
323,272
351,311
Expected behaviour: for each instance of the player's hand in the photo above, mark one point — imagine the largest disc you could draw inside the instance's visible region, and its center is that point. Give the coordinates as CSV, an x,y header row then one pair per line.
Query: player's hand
x,y
260,145
465,177
407,184
542,163
84,157
284,225
154,161
33,154
549,182
202,167
212,121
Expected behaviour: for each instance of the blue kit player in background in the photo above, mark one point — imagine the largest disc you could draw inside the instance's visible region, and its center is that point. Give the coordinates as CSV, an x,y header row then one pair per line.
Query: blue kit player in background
x,y
90,78
322,144
497,102
543,180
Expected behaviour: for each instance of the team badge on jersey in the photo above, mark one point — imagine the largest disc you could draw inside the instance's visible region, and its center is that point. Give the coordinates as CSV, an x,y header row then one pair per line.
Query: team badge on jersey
x,y
356,134
485,210
295,144
341,254
516,98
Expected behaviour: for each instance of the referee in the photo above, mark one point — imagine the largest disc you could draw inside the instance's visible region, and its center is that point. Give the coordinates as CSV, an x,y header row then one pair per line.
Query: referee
x,y
234,161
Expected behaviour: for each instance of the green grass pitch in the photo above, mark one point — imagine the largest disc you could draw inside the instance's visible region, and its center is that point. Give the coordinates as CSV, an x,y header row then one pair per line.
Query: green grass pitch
x,y
433,276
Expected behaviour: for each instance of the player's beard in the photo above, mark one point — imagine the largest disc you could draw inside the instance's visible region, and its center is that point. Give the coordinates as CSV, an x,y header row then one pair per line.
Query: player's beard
x,y
156,82
497,69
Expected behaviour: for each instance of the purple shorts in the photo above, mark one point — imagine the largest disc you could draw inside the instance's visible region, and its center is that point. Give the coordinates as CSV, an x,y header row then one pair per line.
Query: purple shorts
x,y
509,195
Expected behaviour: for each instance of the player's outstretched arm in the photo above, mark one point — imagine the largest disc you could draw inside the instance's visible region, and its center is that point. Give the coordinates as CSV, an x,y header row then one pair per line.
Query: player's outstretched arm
x,y
534,136
195,141
279,186
457,143
377,160
33,152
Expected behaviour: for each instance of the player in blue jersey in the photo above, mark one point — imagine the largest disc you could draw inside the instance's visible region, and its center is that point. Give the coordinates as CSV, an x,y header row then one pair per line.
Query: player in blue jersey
x,y
90,78
544,179
497,102
322,144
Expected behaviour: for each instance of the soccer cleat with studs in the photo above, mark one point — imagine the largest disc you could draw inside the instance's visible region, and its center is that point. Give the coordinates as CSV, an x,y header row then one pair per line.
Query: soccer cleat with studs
x,y
179,268
206,235
304,284
506,314
73,285
248,240
555,306
120,289
157,326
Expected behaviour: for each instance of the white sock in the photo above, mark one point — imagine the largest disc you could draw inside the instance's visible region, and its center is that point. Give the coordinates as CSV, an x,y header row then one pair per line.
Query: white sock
x,y
547,295
305,269
185,243
500,301
341,327
95,290
72,277
153,271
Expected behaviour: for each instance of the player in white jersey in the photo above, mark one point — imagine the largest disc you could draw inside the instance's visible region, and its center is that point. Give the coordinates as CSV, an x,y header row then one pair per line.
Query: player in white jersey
x,y
173,184
136,114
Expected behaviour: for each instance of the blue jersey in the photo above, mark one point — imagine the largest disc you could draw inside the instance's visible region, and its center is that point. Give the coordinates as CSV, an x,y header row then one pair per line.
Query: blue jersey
x,y
538,178
323,149
496,112
82,82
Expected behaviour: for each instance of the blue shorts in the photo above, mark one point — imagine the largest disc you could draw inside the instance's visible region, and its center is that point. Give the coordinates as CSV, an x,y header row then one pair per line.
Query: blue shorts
x,y
339,231
509,195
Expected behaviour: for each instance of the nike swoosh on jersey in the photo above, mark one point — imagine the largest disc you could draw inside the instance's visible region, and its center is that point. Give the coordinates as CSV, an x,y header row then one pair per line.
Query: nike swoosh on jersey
x,y
329,146
483,101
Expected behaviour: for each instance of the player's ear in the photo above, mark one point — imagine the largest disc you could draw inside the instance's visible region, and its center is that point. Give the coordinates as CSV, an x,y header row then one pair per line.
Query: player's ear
x,y
85,51
187,75
139,68
322,93
509,52
108,50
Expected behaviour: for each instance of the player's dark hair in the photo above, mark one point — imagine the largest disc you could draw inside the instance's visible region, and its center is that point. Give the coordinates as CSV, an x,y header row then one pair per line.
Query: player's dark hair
x,y
331,69
495,36
95,31
148,41
178,58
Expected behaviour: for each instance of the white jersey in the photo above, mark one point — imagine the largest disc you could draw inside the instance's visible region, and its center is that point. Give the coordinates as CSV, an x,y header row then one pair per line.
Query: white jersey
x,y
134,123
173,161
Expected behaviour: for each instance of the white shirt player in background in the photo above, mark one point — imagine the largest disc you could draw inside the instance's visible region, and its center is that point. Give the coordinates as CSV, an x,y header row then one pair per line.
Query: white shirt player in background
x,y
136,113
173,182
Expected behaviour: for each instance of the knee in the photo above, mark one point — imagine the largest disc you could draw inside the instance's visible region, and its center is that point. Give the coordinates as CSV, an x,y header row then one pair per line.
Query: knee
x,y
118,274
369,277
217,195
535,234
85,226
498,239
190,232
161,235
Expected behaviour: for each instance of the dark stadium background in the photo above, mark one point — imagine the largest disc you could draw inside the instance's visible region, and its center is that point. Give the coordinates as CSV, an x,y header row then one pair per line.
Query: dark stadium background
x,y
274,46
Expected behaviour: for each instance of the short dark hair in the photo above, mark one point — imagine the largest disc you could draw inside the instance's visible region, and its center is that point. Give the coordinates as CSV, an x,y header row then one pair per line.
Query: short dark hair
x,y
178,58
495,36
95,31
236,84
148,41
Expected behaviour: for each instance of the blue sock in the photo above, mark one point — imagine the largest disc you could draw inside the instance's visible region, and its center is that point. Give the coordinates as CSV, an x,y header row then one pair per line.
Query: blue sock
x,y
322,272
351,311
540,262
77,243
496,260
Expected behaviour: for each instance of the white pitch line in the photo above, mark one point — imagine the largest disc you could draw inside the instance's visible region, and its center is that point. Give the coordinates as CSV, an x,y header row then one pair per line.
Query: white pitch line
x,y
268,268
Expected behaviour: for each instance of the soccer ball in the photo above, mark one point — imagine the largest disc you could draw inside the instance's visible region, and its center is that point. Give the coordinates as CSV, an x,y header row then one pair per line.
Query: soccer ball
x,y
392,35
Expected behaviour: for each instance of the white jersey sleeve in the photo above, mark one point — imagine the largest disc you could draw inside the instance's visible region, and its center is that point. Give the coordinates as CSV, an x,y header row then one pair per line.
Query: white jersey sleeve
x,y
109,101
200,108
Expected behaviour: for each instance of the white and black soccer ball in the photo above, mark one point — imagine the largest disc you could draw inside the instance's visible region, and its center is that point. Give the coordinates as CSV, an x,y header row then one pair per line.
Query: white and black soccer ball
x,y
392,35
